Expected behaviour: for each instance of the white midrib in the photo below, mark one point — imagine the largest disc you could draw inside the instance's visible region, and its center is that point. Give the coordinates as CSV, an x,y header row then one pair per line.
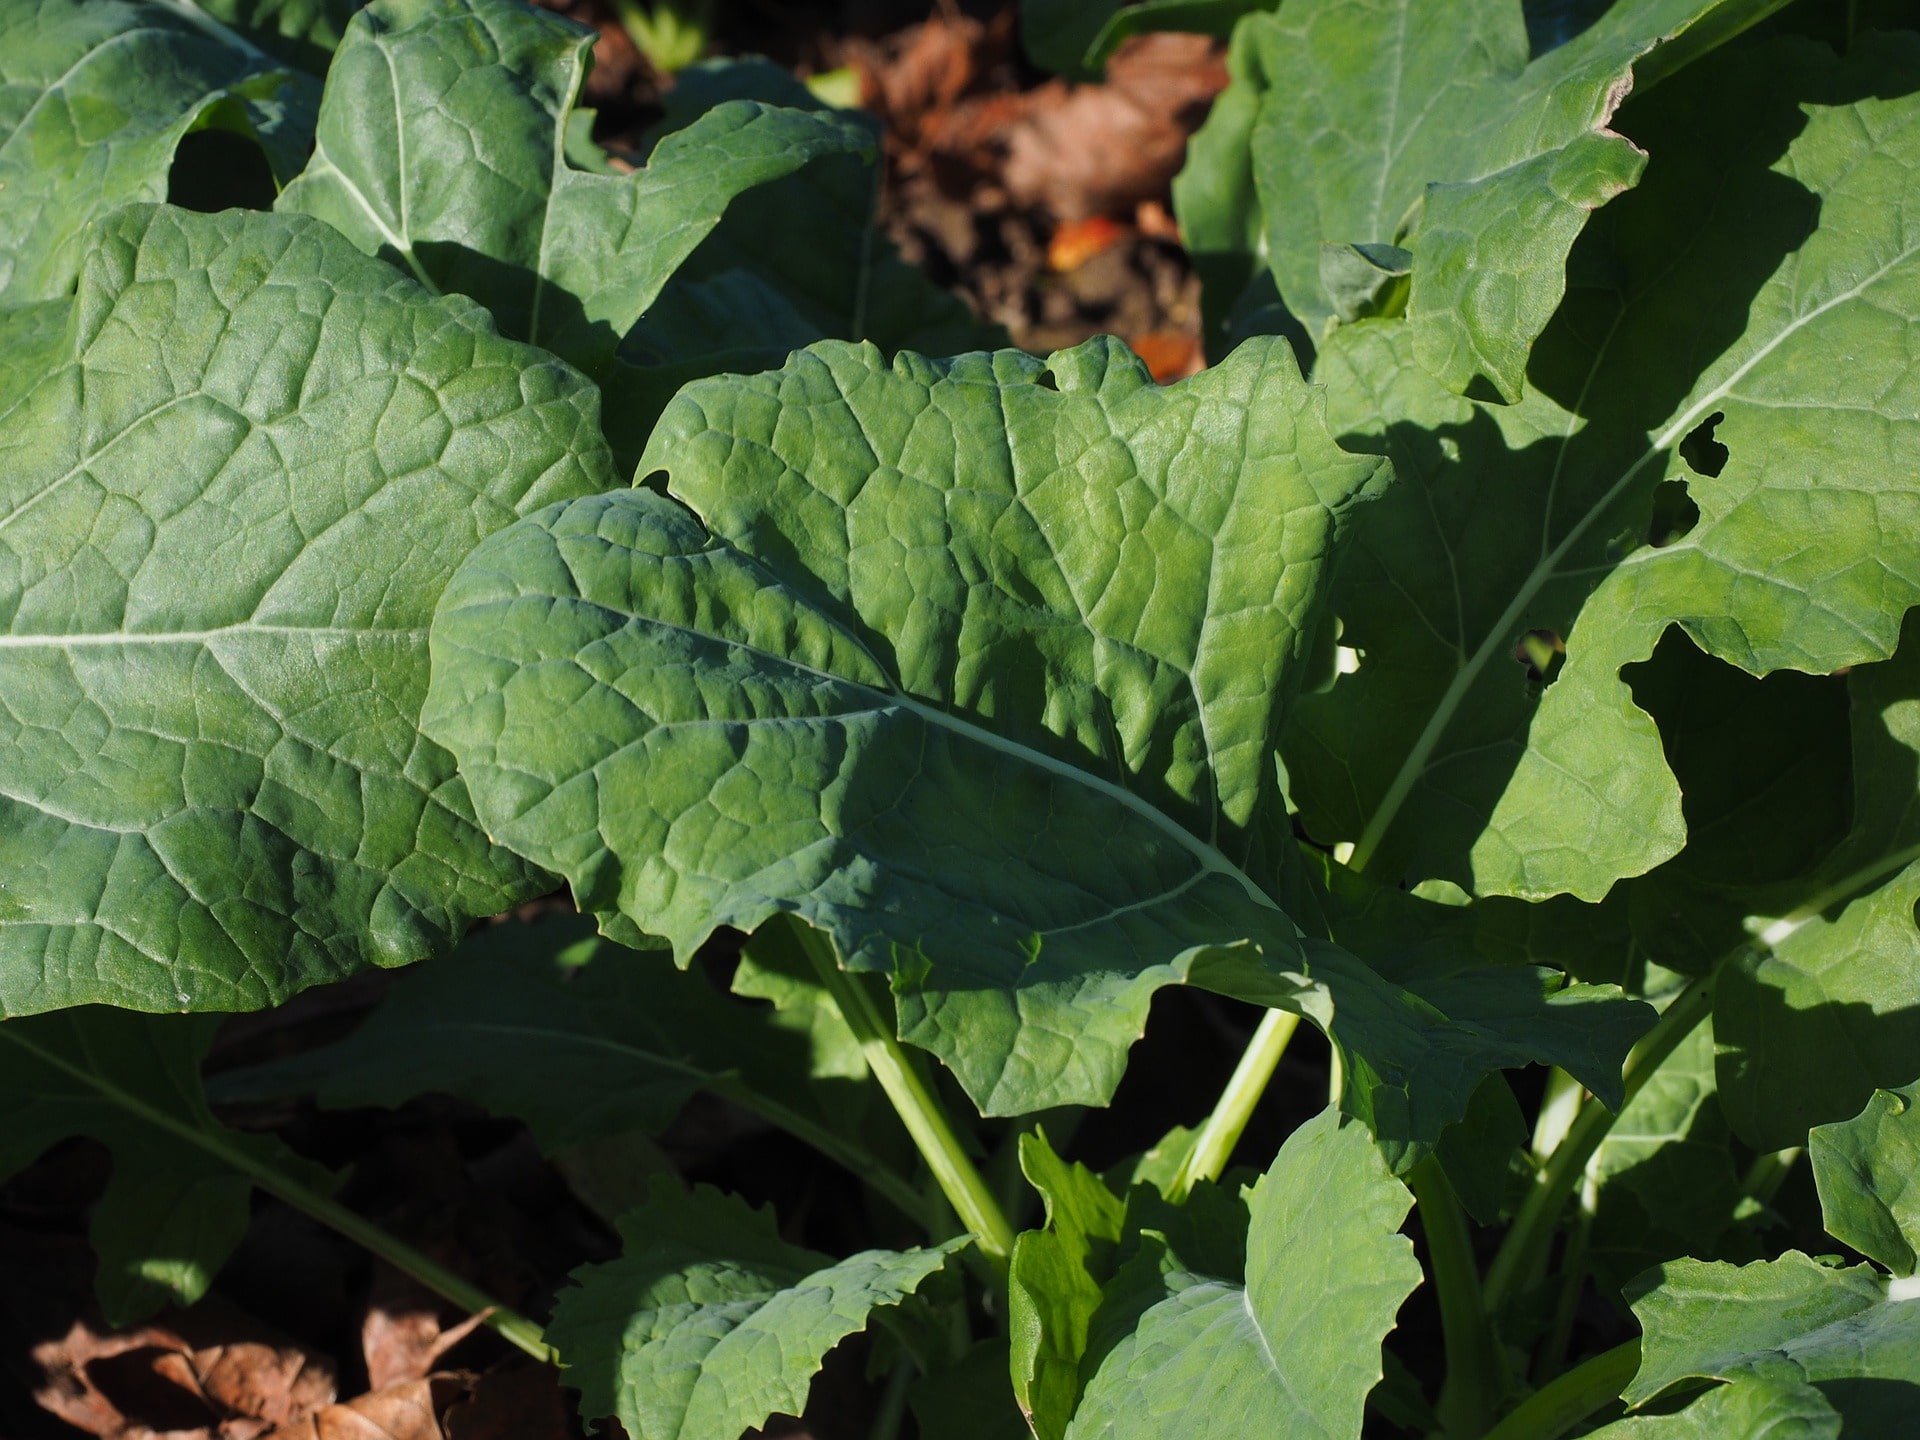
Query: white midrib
x,y
112,638
1414,767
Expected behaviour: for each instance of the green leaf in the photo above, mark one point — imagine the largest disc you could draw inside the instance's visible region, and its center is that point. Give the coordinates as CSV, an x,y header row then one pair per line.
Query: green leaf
x,y
1054,1284
177,1202
1866,1170
709,1322
1752,1406
1408,125
471,192
1297,1349
1756,249
903,637
1664,1178
227,515
95,96
1479,1151
1821,1010
301,32
1790,1320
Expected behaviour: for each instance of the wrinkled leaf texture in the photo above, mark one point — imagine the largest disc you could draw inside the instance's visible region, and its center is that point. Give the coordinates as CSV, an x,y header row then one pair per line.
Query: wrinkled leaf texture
x,y
226,514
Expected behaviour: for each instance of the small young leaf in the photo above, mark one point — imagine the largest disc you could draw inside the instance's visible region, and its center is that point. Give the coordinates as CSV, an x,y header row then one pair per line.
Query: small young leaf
x,y
1297,1349
709,1323
1054,1284
95,96
228,511
177,1202
1867,1170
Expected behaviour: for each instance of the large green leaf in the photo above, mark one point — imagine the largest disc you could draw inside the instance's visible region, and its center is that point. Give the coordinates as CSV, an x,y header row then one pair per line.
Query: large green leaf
x,y
225,517
439,148
1849,1333
95,96
1866,1169
710,1322
1296,1349
178,1199
974,664
1431,127
1756,250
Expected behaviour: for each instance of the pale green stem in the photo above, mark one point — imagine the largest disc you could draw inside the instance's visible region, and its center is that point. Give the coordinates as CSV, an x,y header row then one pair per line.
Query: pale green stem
x,y
1475,1376
915,1100
1556,1408
1213,1143
515,1328
1558,1107
1526,1244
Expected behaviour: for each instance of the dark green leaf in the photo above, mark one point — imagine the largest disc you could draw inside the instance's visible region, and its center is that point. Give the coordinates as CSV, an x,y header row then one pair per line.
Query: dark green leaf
x,y
178,1199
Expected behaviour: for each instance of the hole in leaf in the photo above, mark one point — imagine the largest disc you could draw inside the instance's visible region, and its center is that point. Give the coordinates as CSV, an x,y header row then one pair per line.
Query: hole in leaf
x,y
1674,513
216,169
1706,455
1046,381
1542,652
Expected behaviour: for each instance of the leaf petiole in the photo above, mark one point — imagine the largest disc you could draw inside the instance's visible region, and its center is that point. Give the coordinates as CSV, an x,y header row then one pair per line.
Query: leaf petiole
x,y
914,1099
1556,1408
1213,1143
1526,1243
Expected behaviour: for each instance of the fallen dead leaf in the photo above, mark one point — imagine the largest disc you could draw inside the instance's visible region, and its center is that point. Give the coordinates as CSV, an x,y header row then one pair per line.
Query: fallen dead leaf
x,y
407,1411
213,1374
402,1336
1102,149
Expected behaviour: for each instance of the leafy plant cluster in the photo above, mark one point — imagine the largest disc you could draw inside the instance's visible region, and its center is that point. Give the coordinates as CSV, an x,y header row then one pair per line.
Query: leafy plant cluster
x,y
1495,659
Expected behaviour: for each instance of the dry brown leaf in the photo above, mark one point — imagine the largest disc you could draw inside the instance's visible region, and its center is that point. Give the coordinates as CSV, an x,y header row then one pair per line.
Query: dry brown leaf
x,y
407,1411
1170,354
215,1374
402,1336
1104,148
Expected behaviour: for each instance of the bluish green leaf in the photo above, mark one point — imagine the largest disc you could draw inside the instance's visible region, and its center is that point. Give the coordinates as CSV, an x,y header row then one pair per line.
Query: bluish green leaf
x,y
177,1202
709,1322
1294,1351
95,96
225,517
